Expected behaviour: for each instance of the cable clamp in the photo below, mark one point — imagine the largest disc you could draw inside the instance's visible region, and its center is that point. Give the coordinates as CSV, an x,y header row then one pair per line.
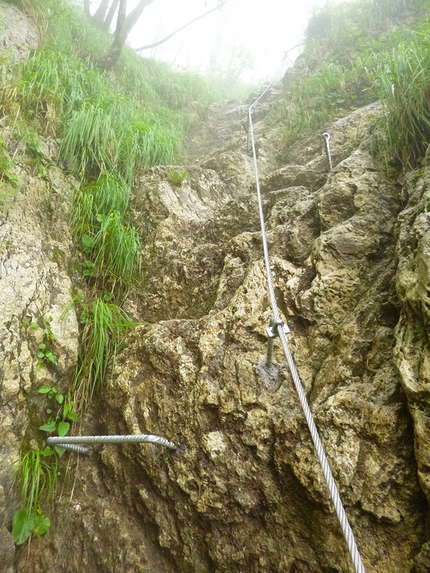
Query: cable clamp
x,y
272,330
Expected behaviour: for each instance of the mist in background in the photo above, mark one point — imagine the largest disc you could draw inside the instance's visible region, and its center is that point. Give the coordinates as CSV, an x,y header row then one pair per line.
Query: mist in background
x,y
245,39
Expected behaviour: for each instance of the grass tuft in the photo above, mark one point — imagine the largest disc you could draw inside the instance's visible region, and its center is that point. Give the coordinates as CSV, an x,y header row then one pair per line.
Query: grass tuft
x,y
105,327
405,90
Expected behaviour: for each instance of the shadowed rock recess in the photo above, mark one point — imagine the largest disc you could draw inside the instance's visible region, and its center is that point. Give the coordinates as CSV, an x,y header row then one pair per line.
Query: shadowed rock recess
x,y
350,253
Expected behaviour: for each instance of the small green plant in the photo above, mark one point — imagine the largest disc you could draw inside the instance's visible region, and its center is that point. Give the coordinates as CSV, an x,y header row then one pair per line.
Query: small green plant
x,y
60,420
37,472
44,353
176,178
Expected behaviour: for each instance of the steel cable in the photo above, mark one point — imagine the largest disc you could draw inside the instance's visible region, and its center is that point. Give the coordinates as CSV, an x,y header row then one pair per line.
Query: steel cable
x,y
334,493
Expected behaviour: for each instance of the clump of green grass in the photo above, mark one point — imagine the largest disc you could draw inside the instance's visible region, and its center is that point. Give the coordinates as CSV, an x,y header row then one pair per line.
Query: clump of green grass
x,y
343,28
116,247
65,25
101,197
363,61
55,84
405,90
105,327
111,135
37,472
99,128
331,91
110,246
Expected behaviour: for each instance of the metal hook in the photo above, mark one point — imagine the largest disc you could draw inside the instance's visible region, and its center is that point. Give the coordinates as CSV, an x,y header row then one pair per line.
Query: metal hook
x,y
326,137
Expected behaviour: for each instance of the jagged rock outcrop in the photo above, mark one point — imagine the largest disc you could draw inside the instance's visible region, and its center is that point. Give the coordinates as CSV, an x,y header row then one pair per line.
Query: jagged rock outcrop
x,y
35,287
18,34
36,293
243,492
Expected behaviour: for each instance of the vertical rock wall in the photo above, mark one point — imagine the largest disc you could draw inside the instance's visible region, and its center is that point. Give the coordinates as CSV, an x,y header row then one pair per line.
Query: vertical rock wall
x,y
244,491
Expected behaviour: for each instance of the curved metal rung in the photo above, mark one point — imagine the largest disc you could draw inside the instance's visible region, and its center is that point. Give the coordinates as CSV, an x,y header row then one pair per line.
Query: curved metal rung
x,y
134,438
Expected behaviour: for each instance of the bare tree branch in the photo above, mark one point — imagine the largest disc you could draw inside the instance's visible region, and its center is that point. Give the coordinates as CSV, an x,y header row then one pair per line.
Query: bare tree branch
x,y
220,5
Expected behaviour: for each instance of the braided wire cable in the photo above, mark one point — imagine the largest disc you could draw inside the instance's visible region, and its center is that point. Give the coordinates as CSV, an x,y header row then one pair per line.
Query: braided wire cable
x,y
331,484
276,316
65,441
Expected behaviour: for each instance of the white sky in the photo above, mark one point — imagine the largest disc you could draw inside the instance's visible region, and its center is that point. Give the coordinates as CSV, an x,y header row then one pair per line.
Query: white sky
x,y
265,28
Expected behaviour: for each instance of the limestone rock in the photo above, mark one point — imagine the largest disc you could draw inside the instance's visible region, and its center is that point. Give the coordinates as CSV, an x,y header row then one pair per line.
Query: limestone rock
x,y
35,294
245,481
18,34
243,491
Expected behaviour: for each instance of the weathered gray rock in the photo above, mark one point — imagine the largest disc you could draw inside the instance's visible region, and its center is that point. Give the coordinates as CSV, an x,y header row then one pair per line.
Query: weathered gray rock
x,y
18,34
35,294
244,491
412,352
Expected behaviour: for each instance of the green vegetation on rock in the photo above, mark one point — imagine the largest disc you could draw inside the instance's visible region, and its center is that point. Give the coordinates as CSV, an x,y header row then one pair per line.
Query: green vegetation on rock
x,y
355,54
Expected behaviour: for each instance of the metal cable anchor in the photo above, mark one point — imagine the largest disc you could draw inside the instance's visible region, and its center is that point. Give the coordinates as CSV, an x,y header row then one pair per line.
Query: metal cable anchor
x,y
326,137
272,333
268,371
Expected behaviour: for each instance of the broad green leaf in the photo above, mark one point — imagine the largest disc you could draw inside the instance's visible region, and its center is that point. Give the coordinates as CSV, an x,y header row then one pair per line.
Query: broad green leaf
x,y
42,525
22,526
44,389
63,428
51,357
60,451
47,451
87,241
48,427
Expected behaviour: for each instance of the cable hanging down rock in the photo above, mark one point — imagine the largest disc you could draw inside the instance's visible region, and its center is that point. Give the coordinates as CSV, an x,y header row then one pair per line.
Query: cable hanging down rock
x,y
280,327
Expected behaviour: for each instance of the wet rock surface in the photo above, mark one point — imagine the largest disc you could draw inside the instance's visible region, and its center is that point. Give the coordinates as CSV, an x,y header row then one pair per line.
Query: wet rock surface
x,y
18,34
243,491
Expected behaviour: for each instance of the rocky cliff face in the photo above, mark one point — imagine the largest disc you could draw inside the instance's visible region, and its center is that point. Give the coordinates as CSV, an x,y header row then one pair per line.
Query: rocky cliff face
x,y
244,492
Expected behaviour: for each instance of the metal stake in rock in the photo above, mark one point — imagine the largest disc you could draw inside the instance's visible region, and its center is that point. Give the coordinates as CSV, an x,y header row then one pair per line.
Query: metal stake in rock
x,y
326,137
269,371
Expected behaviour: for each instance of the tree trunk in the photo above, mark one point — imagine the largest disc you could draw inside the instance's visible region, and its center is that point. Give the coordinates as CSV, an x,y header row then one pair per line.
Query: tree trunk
x,y
87,7
100,14
135,14
111,14
114,52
